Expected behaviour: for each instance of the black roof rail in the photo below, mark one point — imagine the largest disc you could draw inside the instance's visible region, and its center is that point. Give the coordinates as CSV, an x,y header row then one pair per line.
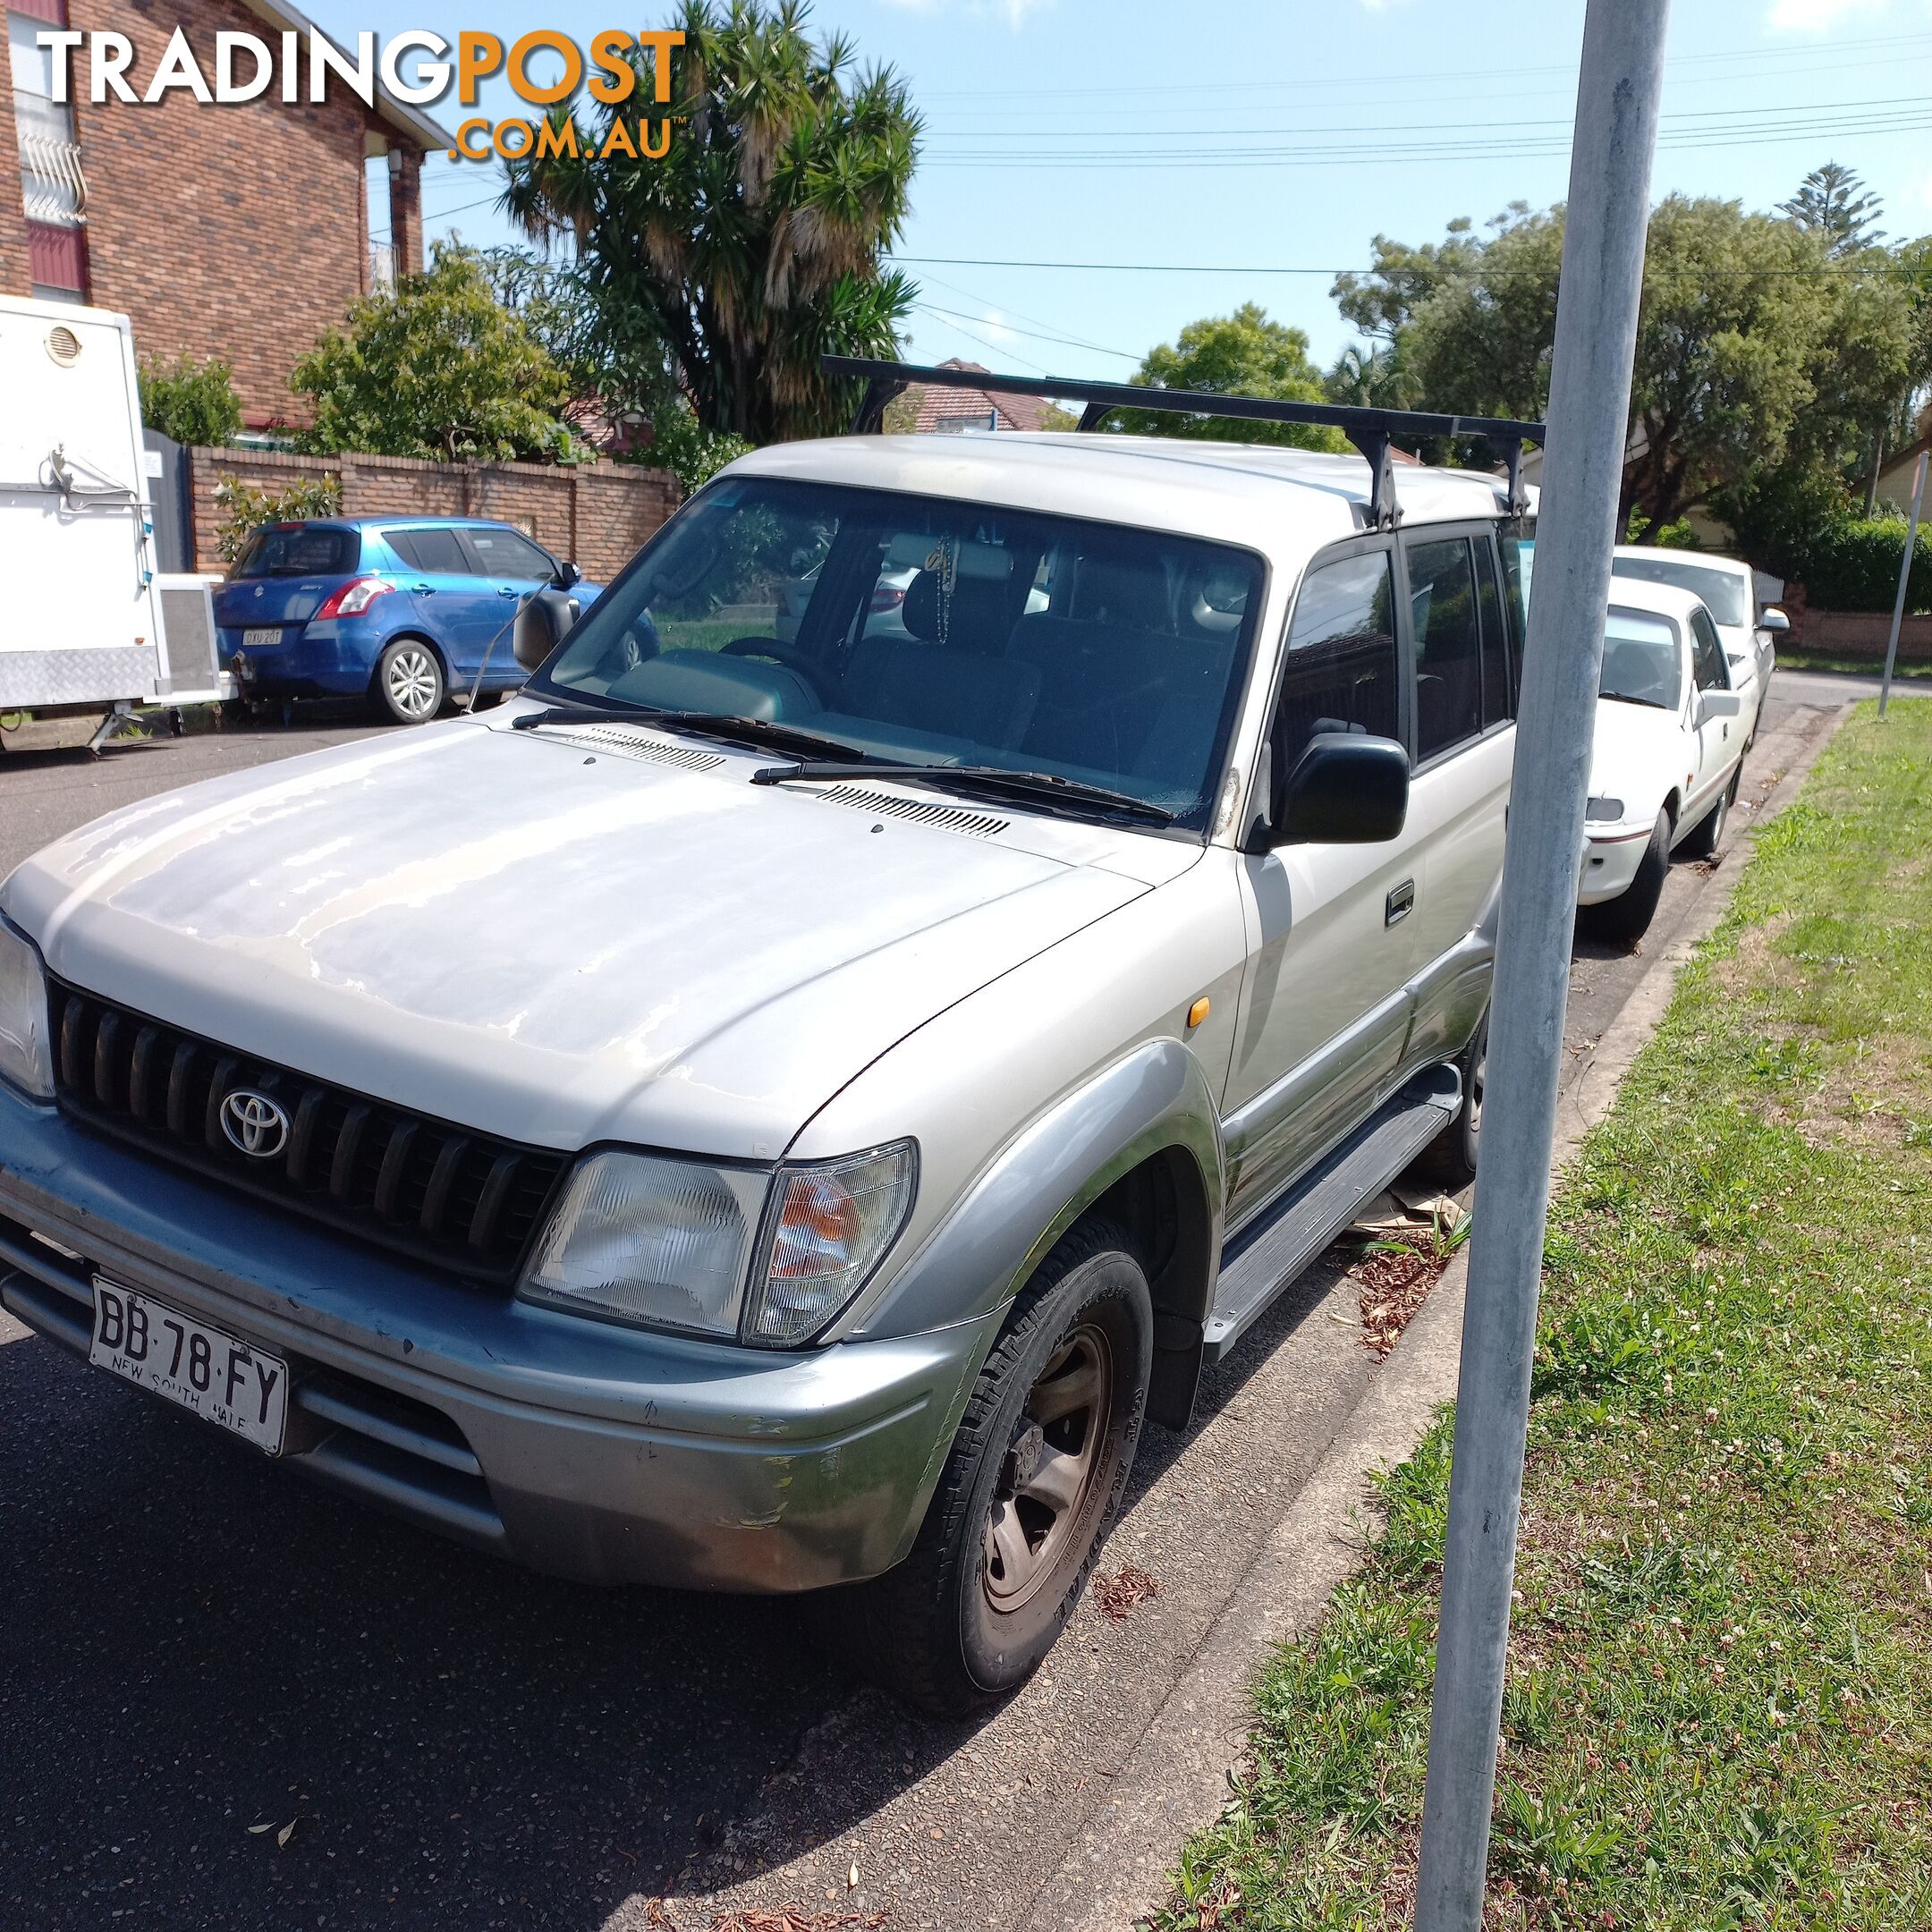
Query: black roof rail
x,y
1371,430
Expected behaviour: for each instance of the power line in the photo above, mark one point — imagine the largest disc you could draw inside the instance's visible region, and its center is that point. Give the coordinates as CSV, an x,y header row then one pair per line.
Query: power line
x,y
1361,269
1065,342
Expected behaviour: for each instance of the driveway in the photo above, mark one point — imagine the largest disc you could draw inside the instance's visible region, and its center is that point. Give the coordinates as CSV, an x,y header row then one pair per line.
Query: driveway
x,y
200,1653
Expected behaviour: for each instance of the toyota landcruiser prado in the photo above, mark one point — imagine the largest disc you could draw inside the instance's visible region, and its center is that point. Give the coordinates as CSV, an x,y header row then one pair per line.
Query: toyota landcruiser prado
x,y
951,932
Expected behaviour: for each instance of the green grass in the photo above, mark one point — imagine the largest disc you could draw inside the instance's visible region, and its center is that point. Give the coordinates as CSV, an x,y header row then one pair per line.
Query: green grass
x,y
1719,1705
1796,657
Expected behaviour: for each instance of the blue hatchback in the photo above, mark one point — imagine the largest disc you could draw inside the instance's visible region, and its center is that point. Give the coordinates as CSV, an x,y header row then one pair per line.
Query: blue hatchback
x,y
402,610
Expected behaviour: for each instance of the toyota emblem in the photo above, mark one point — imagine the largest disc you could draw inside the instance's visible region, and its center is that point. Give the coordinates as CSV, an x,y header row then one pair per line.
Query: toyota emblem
x,y
254,1123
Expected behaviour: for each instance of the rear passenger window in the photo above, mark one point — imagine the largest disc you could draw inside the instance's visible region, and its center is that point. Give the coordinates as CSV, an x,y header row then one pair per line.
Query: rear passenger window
x,y
1442,604
430,550
1498,688
1340,671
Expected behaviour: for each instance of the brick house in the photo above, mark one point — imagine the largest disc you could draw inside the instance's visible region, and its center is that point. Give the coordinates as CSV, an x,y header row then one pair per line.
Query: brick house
x,y
936,411
240,231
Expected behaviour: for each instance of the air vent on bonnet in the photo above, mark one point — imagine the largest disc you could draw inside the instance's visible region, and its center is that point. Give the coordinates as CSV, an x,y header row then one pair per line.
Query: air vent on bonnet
x,y
627,743
921,811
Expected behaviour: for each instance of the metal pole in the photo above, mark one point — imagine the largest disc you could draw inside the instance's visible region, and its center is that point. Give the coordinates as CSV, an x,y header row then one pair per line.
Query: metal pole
x,y
1905,564
1617,92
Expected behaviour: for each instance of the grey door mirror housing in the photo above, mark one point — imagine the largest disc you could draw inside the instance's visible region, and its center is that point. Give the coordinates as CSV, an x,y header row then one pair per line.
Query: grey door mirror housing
x,y
1771,618
1717,704
1345,789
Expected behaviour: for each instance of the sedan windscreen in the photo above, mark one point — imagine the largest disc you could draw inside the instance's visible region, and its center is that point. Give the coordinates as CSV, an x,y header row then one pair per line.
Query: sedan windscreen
x,y
1642,662
1726,596
300,550
924,630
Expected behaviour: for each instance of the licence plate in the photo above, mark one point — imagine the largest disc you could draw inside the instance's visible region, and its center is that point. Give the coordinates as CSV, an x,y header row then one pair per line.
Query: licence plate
x,y
222,1379
261,639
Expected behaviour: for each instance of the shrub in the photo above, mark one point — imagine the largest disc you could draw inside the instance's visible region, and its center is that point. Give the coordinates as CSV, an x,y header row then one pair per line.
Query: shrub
x,y
1851,563
245,509
194,403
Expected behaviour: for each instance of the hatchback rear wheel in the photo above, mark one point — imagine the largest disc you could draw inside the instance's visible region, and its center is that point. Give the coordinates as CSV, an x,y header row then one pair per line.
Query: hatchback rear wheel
x,y
408,687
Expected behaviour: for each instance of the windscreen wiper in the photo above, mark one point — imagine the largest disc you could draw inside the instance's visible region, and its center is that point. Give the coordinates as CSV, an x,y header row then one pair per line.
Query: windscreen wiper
x,y
1649,704
1045,786
756,734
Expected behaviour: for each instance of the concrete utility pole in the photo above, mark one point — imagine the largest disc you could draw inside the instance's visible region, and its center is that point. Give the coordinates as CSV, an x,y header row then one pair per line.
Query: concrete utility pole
x,y
1617,91
1905,564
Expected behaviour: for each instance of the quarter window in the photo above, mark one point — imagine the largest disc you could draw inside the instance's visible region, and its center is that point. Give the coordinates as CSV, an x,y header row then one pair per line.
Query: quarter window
x,y
1498,685
1442,604
1339,673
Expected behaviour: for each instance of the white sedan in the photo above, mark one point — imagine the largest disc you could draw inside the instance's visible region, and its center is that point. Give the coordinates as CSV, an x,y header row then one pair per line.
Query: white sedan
x,y
1670,738
1727,588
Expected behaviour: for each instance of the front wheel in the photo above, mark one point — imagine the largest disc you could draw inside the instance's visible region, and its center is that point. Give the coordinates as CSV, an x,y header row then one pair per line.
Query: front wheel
x,y
1704,839
1628,916
1450,1159
1035,1476
408,687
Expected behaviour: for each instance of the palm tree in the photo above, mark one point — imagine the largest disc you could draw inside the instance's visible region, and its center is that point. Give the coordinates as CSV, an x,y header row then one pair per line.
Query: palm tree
x,y
754,246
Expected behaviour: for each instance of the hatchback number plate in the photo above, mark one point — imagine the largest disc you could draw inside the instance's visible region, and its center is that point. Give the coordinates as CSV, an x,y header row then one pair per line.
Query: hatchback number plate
x,y
222,1379
261,639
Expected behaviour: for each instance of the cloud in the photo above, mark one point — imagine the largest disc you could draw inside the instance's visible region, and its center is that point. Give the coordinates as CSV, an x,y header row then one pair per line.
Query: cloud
x,y
1815,16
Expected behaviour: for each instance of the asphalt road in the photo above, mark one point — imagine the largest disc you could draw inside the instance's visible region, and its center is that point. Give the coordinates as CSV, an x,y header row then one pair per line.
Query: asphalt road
x,y
198,1653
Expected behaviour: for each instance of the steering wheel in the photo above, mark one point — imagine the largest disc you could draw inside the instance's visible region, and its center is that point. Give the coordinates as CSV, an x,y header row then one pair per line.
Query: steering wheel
x,y
802,665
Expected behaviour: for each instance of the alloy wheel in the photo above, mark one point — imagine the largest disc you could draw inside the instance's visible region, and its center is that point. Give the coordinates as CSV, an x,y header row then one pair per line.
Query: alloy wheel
x,y
1049,1468
413,682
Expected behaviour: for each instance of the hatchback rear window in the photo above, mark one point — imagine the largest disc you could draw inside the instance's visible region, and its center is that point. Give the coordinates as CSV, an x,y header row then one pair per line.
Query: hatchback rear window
x,y
300,550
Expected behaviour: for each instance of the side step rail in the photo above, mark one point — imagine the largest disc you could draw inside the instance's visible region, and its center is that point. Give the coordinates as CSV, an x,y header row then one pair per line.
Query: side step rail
x,y
1275,1247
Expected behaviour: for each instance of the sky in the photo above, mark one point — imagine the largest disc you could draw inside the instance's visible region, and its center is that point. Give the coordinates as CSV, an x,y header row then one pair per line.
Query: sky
x,y
1186,159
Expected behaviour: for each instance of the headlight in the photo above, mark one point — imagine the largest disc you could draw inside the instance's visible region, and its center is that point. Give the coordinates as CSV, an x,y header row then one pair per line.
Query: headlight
x,y
26,1055
1598,810
639,1238
830,1226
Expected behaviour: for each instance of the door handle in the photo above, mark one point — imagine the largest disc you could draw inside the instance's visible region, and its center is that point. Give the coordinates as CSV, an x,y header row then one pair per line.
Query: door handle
x,y
1399,903
506,591
423,589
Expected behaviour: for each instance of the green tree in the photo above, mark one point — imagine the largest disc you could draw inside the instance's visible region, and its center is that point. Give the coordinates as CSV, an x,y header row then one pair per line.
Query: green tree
x,y
438,369
194,403
1759,361
756,244
1240,354
1831,204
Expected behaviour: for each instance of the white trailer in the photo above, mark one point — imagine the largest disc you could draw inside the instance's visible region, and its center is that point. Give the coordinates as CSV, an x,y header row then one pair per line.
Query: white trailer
x,y
82,621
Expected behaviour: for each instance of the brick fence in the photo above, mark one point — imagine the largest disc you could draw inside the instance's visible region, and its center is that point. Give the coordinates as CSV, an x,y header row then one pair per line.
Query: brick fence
x,y
597,514
1861,633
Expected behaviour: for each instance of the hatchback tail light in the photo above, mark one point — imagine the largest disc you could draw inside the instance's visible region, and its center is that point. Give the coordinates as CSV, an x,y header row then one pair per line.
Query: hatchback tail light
x,y
356,595
888,596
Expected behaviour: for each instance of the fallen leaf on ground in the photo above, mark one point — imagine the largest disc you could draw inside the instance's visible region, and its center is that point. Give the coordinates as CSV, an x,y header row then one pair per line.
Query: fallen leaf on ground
x,y
1395,1285
255,1831
287,1832
1115,1596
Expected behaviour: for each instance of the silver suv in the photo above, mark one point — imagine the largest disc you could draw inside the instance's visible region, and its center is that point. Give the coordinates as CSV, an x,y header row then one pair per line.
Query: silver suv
x,y
778,1104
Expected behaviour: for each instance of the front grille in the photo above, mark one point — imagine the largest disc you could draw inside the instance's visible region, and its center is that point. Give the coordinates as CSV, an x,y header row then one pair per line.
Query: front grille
x,y
434,1191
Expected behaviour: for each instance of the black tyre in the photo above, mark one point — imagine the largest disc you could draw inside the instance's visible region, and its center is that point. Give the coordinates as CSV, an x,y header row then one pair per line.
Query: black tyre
x,y
1628,916
1035,1476
1449,1160
409,686
1704,838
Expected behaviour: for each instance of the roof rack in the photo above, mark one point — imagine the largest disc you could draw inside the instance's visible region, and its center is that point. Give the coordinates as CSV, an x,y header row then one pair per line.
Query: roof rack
x,y
1371,430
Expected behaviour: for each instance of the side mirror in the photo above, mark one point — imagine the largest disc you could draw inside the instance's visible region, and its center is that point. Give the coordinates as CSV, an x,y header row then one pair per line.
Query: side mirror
x,y
1345,789
532,640
1717,704
567,574
1771,618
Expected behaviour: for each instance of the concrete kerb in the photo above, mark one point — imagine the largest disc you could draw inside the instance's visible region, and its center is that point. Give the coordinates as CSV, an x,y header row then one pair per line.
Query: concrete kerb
x,y
1176,1779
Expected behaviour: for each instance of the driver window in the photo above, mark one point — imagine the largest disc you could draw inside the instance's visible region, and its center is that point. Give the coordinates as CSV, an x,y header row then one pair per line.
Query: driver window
x,y
1707,653
1340,670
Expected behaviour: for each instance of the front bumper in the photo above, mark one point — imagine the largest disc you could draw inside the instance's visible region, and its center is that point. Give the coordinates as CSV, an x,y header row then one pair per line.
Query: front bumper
x,y
1610,862
576,1447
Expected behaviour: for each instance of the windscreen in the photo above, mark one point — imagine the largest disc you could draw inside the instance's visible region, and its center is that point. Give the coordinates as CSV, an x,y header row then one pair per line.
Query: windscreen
x,y
924,630
1641,661
300,550
1726,595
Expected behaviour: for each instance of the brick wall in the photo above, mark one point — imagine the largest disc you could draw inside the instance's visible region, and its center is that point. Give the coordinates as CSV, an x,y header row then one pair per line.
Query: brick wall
x,y
597,514
235,230
16,277
1860,634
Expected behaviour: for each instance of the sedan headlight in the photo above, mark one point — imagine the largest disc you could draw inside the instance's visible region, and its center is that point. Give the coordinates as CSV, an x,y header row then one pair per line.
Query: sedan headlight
x,y
639,1239
670,1244
830,1226
1603,810
26,1053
